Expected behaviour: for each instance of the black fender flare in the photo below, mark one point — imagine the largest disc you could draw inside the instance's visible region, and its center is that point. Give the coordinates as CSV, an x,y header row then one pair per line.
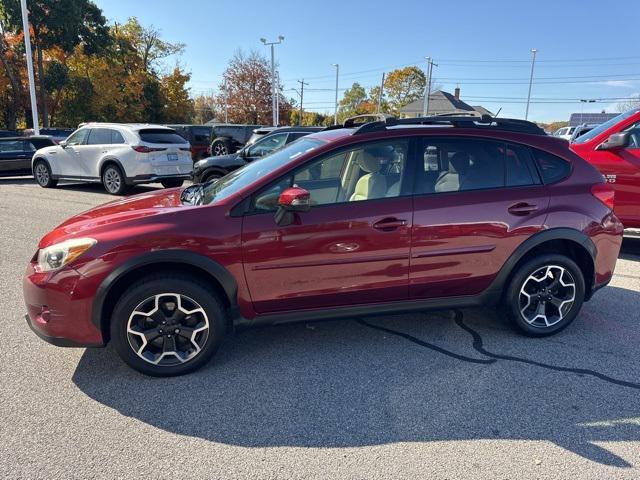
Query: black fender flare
x,y
495,290
107,160
164,257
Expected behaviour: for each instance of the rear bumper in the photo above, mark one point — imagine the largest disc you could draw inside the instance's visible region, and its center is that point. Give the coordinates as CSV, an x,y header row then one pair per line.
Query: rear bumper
x,y
157,178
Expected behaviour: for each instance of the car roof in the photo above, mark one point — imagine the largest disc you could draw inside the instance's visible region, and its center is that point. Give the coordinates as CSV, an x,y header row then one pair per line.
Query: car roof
x,y
130,126
30,137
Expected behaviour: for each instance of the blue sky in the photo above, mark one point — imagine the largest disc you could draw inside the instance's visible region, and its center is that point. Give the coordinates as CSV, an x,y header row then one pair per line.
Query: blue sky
x,y
586,49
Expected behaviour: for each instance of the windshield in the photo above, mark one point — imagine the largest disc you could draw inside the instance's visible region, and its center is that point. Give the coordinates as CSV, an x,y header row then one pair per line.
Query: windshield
x,y
605,126
248,174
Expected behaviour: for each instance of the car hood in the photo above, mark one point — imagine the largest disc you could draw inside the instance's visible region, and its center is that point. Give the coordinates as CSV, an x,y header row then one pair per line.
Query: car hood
x,y
46,150
105,217
217,160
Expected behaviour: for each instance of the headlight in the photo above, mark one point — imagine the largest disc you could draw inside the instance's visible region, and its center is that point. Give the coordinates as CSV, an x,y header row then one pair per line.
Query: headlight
x,y
57,256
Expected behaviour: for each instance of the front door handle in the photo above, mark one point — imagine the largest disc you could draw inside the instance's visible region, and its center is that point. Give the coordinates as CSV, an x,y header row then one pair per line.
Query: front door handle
x,y
389,224
522,208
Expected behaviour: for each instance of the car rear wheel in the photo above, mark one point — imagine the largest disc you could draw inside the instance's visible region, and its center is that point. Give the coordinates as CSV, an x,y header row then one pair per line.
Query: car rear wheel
x,y
172,183
545,295
42,174
113,180
221,146
167,325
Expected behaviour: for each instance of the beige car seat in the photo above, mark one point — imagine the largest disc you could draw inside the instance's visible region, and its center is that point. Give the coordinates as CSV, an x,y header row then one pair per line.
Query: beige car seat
x,y
373,184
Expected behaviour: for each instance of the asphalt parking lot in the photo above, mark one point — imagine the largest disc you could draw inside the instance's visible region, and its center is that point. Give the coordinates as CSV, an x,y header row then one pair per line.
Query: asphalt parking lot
x,y
435,395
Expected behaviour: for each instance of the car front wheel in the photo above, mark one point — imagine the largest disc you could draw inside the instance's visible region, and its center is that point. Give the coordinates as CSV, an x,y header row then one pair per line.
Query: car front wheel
x,y
167,325
545,295
42,174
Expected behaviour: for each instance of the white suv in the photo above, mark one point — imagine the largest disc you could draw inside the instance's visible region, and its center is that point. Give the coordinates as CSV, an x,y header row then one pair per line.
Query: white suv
x,y
117,155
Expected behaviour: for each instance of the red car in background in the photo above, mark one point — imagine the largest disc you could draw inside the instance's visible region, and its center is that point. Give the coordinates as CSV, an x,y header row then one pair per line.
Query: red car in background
x,y
614,148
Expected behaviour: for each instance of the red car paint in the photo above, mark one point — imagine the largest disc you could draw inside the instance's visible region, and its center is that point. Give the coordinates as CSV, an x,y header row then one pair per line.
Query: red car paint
x,y
355,253
620,166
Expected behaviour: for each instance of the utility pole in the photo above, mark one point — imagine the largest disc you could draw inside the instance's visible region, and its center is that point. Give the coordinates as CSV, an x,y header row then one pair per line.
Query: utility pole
x,y
380,94
533,63
302,84
27,48
274,107
335,115
226,103
427,93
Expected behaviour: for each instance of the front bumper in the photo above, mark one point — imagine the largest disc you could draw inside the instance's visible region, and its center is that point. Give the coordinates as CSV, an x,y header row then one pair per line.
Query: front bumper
x,y
59,308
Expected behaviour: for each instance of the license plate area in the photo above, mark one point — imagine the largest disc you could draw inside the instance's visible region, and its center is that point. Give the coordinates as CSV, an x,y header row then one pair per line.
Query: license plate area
x,y
172,157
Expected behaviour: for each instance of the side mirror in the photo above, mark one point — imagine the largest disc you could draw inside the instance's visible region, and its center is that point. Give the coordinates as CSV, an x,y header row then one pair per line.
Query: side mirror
x,y
63,143
615,141
291,201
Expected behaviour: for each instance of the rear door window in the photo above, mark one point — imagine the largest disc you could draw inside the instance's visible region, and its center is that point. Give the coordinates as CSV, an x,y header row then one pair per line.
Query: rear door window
x,y
160,135
12,146
519,168
99,136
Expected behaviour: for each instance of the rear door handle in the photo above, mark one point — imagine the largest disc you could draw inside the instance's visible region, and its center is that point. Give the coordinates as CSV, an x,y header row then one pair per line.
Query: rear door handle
x,y
522,208
388,224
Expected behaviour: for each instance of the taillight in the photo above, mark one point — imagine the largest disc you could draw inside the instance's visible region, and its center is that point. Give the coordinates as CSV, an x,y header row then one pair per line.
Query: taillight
x,y
145,149
185,149
605,193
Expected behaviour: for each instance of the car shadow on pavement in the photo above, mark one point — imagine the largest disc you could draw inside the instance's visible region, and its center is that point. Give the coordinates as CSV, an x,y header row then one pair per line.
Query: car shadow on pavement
x,y
438,376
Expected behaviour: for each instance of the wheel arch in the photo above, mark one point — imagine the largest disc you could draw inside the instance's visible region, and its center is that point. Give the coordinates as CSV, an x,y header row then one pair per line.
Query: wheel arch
x,y
40,158
106,161
166,261
566,241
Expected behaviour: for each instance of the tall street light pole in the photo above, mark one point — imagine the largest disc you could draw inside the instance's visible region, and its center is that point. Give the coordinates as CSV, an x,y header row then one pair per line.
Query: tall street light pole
x,y
274,106
533,63
27,48
335,114
302,84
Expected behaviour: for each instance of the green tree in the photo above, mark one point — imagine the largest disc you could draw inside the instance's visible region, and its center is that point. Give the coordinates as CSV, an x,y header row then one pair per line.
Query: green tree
x,y
64,24
354,102
148,45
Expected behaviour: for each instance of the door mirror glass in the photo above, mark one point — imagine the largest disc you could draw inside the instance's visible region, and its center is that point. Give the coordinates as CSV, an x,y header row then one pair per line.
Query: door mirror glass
x,y
615,141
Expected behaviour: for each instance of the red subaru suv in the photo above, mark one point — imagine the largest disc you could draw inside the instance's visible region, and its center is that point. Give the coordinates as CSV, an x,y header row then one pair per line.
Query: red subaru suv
x,y
388,215
614,149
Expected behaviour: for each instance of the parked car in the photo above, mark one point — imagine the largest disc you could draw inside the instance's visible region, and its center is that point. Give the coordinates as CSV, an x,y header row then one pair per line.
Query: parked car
x,y
217,167
341,223
564,132
198,136
229,138
258,133
16,153
117,155
581,130
614,148
8,133
56,134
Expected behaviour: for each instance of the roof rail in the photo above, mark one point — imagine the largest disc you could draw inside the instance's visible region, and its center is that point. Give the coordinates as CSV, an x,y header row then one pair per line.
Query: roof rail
x,y
464,121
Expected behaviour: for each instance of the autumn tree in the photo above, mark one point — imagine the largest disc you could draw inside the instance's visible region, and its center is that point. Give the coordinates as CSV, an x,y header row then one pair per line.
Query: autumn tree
x,y
403,86
63,24
178,104
246,89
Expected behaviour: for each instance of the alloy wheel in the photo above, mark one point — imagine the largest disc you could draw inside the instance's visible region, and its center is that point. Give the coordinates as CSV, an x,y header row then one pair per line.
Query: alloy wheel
x,y
168,329
42,174
219,149
547,296
112,180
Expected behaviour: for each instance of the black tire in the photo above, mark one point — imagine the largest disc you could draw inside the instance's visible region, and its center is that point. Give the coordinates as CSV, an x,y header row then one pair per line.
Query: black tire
x,y
192,292
221,146
173,183
113,180
529,287
42,174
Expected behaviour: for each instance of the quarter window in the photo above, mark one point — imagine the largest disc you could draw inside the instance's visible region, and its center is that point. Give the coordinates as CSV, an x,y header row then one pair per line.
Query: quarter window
x,y
552,168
